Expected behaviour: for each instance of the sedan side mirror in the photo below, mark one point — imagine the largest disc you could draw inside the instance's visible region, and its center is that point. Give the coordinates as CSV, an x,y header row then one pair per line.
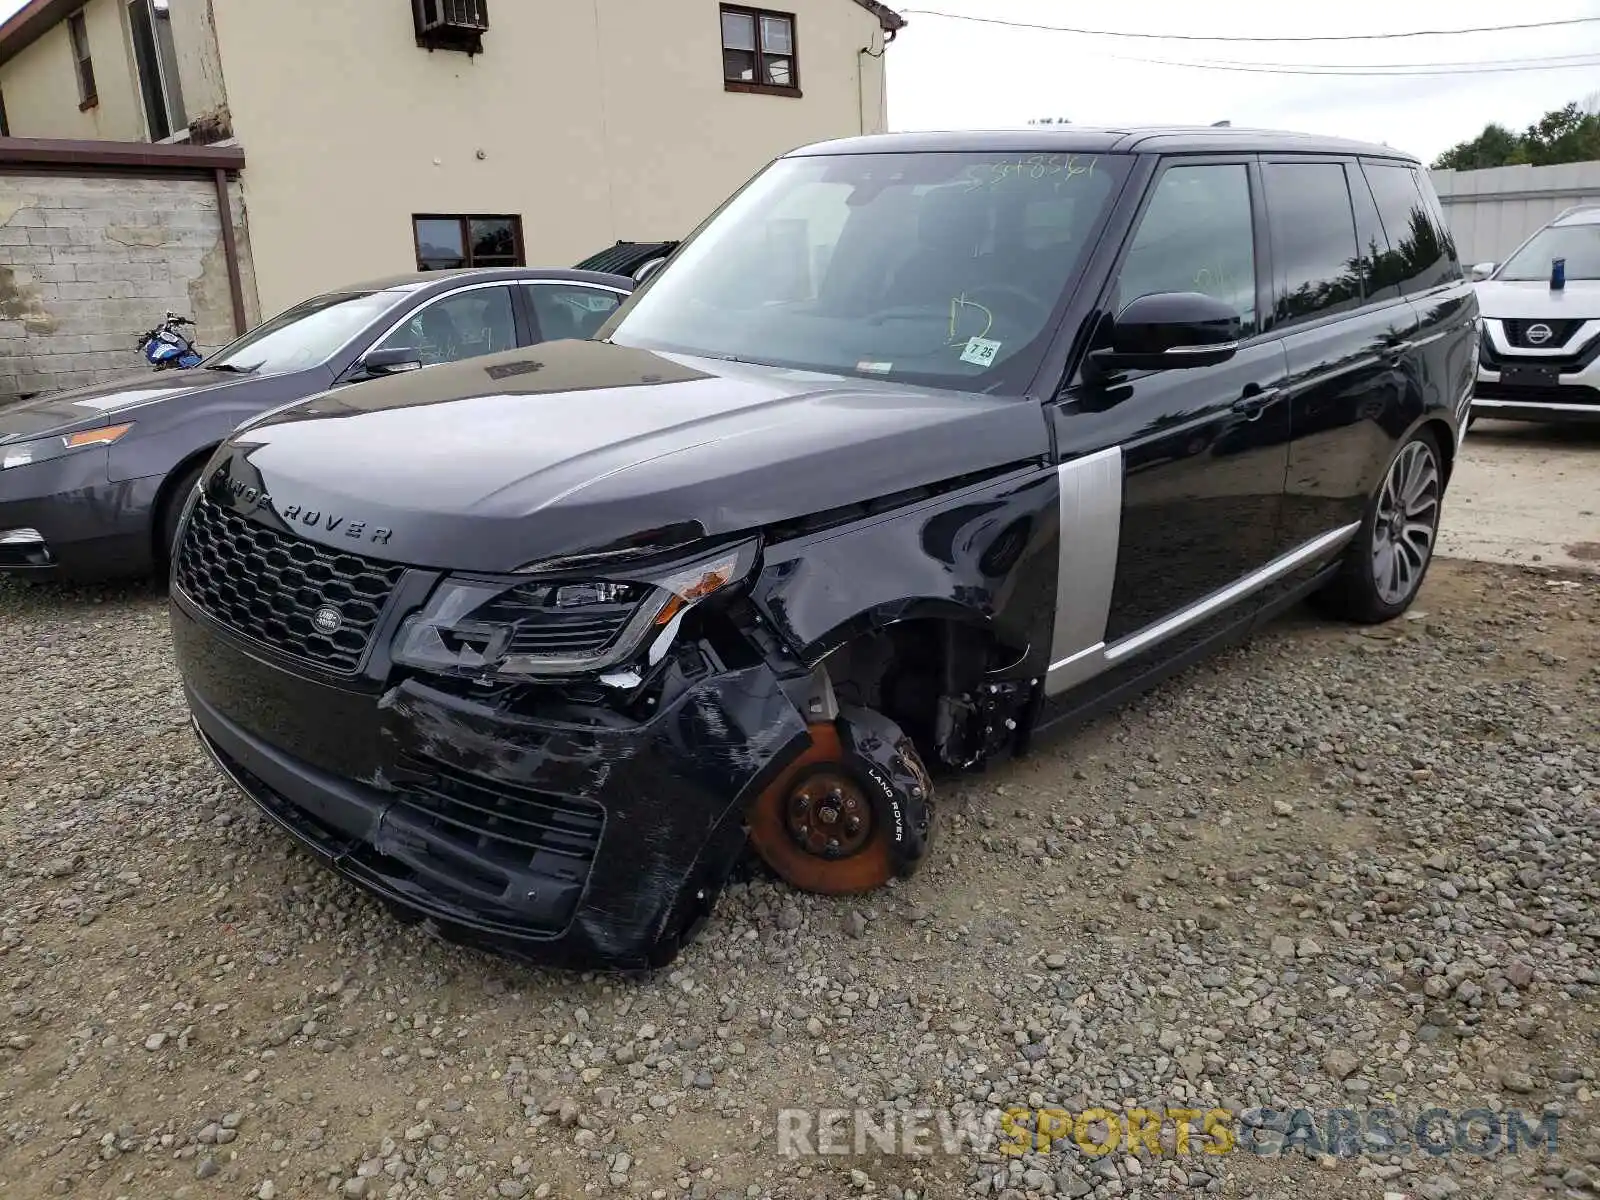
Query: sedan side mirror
x,y
395,361
1480,271
1171,329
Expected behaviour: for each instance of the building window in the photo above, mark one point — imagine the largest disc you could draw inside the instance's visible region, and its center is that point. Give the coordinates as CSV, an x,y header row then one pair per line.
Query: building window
x,y
78,31
5,126
445,243
758,52
156,57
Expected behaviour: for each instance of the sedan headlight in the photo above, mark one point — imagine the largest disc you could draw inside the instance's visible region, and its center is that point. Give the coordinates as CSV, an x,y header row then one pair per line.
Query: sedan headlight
x,y
531,629
20,454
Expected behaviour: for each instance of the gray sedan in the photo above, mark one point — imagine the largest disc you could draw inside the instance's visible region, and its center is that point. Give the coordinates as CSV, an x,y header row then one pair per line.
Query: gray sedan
x,y
92,480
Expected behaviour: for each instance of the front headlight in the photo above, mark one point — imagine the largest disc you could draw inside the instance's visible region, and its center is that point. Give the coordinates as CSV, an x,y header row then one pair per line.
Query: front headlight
x,y
20,454
530,629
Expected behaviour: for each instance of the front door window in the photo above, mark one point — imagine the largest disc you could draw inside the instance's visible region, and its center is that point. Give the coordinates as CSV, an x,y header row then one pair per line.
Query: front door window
x,y
462,325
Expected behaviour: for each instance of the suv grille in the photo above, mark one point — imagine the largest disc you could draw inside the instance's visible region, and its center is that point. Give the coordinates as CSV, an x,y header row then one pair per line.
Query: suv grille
x,y
269,586
1560,331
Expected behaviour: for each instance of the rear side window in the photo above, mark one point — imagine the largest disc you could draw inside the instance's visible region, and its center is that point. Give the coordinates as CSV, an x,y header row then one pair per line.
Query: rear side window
x,y
1451,268
1314,254
1420,254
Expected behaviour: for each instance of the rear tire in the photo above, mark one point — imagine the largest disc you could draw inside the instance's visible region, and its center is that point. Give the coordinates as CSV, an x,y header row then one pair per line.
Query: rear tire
x,y
1388,559
171,514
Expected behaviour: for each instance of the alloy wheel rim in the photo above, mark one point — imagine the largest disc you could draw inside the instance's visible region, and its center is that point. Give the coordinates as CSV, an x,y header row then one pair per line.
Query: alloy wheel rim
x,y
1406,523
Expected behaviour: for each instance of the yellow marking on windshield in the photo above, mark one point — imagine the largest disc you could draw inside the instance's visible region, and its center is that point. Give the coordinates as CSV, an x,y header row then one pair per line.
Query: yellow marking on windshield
x,y
957,303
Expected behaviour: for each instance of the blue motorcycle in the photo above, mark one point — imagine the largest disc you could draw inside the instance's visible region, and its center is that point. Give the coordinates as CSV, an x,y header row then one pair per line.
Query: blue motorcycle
x,y
166,349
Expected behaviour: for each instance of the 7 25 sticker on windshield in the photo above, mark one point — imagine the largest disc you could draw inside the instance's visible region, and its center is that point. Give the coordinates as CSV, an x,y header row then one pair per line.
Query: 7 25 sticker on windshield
x,y
980,352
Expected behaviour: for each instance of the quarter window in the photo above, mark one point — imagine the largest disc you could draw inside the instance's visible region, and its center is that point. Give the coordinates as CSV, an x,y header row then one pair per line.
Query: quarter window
x,y
78,31
1196,235
570,310
1314,254
445,243
758,51
462,325
1420,254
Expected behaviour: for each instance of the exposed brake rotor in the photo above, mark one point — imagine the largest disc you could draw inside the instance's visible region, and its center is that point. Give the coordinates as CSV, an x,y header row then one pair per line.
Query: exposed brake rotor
x,y
828,814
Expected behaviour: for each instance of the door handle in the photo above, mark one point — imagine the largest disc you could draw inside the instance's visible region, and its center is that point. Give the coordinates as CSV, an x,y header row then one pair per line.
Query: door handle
x,y
1253,403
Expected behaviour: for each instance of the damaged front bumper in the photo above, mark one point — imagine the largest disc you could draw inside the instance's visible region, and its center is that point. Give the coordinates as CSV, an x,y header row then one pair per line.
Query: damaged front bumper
x,y
559,839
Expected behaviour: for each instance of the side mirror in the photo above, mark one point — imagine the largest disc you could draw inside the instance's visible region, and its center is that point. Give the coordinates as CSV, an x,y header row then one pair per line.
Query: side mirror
x,y
1480,271
1171,329
395,361
649,269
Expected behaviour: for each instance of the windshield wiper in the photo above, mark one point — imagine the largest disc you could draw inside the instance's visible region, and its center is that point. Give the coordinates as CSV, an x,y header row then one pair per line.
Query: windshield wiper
x,y
231,368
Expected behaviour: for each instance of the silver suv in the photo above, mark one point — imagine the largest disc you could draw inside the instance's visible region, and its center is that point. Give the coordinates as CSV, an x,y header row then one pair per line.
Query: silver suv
x,y
1540,358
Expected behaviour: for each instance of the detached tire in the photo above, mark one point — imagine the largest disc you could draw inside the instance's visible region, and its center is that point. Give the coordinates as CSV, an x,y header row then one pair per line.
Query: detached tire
x,y
816,826
1389,557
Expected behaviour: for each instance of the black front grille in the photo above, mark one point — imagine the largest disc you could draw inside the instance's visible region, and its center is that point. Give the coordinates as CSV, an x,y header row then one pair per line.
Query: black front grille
x,y
271,585
1568,363
1560,331
519,826
1566,393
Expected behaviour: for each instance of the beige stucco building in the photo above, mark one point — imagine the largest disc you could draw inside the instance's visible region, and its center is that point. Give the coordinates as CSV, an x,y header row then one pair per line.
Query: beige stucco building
x,y
377,133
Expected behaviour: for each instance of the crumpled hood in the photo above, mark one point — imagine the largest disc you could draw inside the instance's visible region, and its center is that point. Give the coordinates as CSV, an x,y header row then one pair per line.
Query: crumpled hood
x,y
102,403
1527,300
581,447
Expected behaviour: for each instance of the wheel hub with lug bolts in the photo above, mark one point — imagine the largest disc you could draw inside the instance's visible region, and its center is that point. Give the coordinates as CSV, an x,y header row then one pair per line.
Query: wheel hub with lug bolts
x,y
828,815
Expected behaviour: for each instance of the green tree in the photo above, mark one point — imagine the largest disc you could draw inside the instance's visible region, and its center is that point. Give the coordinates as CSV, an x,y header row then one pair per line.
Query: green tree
x,y
1496,146
1564,135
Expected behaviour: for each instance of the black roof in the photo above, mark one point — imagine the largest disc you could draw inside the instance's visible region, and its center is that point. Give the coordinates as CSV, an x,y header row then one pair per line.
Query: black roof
x,y
1076,139
417,280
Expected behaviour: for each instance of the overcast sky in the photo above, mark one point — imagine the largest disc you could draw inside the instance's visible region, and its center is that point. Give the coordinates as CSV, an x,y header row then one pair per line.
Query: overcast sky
x,y
951,74
946,74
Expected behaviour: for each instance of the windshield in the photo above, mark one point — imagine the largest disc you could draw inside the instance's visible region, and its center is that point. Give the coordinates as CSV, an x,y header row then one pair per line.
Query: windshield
x,y
303,336
1578,244
944,269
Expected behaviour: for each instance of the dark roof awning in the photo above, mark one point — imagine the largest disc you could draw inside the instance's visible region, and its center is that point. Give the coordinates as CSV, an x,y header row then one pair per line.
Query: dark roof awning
x,y
625,258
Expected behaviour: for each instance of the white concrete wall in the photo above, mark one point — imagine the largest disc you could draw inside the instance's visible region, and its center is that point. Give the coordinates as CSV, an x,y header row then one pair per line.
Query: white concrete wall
x,y
88,264
595,120
1493,211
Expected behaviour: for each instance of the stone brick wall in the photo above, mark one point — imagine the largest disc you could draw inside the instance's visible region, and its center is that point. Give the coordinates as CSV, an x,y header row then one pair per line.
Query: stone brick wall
x,y
87,264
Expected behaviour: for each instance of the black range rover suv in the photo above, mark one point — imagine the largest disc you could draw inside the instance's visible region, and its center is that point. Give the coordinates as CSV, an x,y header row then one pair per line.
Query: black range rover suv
x,y
918,445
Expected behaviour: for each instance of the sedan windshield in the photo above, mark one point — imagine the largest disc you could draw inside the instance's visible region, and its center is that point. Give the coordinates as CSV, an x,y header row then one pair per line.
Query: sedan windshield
x,y
1578,244
946,269
303,336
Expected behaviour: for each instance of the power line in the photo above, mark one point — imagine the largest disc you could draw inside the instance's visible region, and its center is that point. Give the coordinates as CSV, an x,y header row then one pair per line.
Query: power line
x,y
1470,64
1594,61
1200,37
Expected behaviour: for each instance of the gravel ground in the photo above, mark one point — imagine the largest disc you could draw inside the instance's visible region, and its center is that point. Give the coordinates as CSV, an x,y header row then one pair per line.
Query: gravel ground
x,y
1334,868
